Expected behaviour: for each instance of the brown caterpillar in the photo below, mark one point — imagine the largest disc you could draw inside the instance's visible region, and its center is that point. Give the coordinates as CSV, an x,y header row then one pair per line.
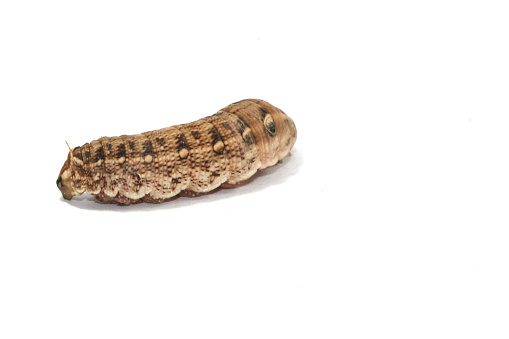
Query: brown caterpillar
x,y
225,148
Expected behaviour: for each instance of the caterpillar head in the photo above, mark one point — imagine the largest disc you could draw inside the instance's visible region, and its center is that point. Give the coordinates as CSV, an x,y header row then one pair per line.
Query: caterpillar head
x,y
66,181
277,130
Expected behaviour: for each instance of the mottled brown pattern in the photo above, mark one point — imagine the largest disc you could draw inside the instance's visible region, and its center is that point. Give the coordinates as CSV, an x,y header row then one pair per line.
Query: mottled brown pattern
x,y
225,148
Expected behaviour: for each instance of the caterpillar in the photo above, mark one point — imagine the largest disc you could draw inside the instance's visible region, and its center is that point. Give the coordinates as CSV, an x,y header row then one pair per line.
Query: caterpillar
x,y
225,148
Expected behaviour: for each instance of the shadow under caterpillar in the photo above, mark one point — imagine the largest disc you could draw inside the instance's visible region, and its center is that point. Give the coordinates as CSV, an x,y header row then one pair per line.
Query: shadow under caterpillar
x,y
223,149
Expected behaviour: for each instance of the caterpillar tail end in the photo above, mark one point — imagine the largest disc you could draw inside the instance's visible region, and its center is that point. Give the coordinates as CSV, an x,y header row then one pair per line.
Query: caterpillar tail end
x,y
65,182
65,187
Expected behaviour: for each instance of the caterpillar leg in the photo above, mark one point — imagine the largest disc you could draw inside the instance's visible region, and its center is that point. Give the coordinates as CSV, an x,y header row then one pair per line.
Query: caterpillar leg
x,y
189,194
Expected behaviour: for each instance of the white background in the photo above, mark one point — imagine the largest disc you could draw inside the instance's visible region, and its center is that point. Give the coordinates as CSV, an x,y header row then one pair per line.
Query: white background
x,y
389,220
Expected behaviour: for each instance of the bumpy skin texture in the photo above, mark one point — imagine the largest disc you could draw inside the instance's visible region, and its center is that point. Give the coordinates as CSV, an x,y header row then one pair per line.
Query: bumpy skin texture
x,y
225,148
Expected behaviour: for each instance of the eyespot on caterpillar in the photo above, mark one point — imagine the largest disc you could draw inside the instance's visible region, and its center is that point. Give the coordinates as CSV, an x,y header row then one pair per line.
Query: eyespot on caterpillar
x,y
226,148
